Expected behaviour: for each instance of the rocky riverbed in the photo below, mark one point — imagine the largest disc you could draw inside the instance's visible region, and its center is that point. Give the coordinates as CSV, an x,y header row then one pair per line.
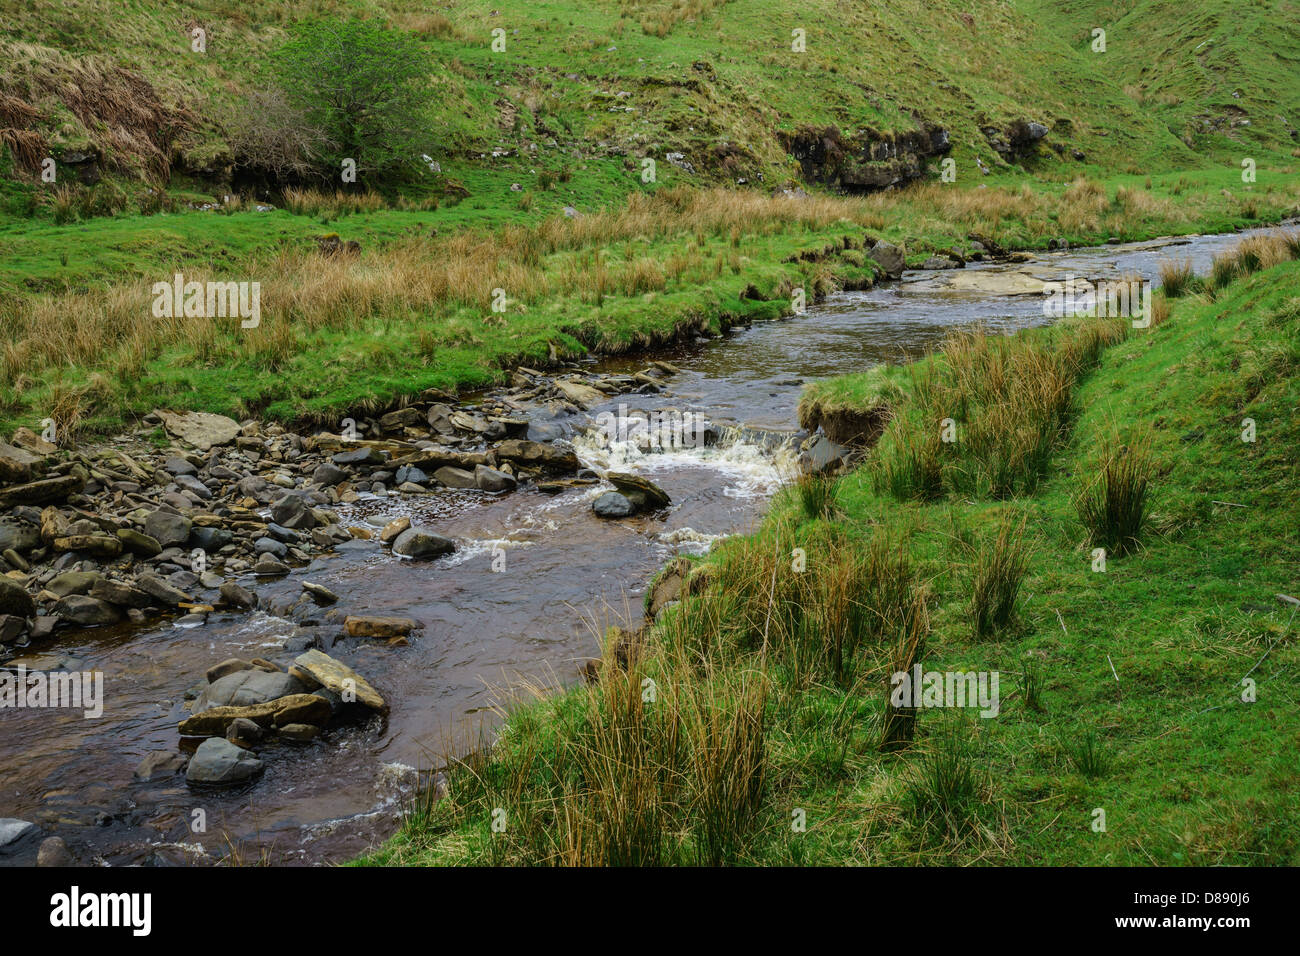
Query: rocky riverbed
x,y
192,515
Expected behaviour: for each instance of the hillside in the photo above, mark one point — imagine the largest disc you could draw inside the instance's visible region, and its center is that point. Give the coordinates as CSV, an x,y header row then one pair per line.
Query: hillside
x,y
716,82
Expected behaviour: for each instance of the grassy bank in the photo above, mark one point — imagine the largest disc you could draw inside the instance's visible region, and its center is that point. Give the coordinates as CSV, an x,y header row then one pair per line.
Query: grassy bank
x,y
415,309
752,724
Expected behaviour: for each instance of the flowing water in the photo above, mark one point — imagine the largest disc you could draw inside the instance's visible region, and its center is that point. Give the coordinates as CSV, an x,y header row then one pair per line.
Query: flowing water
x,y
567,574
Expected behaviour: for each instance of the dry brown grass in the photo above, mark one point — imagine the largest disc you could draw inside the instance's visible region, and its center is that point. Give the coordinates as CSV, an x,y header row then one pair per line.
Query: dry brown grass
x,y
116,107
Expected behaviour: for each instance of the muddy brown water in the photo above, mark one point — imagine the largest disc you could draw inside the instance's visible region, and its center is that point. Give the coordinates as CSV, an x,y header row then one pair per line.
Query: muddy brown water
x,y
567,574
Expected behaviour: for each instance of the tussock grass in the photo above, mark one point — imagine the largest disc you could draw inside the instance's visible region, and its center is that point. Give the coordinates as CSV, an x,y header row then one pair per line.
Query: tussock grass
x,y
1176,277
987,412
999,569
1112,503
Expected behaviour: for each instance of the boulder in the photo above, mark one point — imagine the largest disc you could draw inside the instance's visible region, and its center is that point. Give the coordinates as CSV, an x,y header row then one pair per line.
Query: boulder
x,y
136,542
13,831
340,679
455,477
235,596
164,594
218,762
531,454
18,535
328,473
54,853
192,484
269,567
393,529
292,512
73,582
12,627
168,529
824,456
15,600
123,595
420,544
489,479
365,455
612,504
29,441
320,594
639,490
231,665
16,464
242,732
85,611
210,539
203,430
402,418
890,258
244,688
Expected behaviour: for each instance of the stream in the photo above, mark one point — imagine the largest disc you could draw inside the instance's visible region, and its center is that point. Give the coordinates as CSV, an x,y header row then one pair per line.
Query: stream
x,y
567,575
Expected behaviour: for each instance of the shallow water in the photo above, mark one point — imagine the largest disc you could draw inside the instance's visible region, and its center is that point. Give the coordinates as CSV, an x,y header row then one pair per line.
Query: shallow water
x,y
566,575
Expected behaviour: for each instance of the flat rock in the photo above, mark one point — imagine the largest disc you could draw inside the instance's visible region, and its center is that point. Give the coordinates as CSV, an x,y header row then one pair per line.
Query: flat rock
x,y
319,593
86,611
584,396
360,626
41,492
203,430
298,708
124,595
164,594
633,485
12,830
537,455
455,477
341,679
96,545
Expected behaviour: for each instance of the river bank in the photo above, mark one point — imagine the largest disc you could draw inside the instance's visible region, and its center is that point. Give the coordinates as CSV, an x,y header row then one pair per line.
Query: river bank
x,y
415,310
1144,716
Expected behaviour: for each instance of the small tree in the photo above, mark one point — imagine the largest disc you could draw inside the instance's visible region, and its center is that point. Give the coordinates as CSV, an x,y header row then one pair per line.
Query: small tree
x,y
363,87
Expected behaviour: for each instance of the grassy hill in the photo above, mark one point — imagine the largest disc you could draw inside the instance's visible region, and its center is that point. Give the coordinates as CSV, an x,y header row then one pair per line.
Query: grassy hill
x,y
717,82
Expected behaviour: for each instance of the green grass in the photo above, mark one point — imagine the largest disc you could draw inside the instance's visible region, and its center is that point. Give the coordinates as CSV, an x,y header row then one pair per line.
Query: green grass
x,y
1121,690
